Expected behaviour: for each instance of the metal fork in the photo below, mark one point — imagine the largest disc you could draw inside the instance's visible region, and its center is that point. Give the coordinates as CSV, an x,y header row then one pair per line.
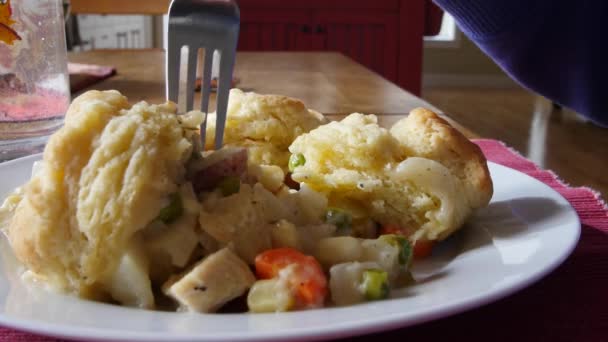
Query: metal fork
x,y
210,25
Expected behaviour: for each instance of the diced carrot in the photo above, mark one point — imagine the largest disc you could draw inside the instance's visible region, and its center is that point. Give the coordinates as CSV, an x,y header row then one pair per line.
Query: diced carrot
x,y
423,248
392,229
308,280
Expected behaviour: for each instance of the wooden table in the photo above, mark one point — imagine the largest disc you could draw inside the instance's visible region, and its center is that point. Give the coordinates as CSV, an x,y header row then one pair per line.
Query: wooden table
x,y
328,82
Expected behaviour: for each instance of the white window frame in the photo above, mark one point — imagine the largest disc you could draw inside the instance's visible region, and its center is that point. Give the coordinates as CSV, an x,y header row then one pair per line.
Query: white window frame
x,y
448,37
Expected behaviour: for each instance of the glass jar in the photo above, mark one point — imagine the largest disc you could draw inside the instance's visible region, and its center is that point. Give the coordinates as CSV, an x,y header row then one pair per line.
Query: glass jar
x,y
34,81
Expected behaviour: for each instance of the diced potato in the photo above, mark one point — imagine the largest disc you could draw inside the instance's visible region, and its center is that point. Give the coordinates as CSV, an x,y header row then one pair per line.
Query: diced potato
x,y
217,279
310,235
270,176
245,219
345,282
319,231
285,234
269,206
130,284
337,250
252,241
283,192
343,249
311,206
270,295
383,253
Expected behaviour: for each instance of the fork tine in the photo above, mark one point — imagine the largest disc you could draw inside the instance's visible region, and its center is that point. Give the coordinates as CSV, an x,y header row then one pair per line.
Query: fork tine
x,y
211,24
206,80
191,78
223,90
206,90
172,69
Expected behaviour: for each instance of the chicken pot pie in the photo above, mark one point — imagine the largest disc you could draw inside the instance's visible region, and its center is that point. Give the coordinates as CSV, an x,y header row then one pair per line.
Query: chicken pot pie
x,y
294,213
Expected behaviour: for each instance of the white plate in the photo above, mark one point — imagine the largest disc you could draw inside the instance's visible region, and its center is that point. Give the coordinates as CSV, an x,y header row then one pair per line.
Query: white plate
x,y
526,232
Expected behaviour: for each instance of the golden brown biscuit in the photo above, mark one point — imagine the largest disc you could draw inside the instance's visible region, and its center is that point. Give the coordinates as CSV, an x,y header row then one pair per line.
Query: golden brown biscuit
x,y
422,175
346,155
106,174
265,124
424,134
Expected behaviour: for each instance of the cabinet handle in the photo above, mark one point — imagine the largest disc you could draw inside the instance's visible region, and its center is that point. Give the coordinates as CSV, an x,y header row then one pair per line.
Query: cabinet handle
x,y
305,29
320,29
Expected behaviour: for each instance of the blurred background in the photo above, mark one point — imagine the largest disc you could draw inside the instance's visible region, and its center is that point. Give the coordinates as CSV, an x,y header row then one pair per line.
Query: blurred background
x,y
410,42
448,58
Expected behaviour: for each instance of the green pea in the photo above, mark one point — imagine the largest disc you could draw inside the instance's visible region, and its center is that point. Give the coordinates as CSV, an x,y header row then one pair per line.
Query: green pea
x,y
338,217
230,185
296,160
375,284
173,210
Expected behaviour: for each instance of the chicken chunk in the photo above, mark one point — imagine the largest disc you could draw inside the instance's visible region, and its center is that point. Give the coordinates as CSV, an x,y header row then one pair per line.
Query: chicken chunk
x,y
217,279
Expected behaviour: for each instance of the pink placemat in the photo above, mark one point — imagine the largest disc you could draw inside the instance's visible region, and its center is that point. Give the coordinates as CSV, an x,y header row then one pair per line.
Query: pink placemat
x,y
86,75
570,304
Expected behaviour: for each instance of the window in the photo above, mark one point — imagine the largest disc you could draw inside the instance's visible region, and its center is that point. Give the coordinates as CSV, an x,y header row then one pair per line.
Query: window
x,y
448,37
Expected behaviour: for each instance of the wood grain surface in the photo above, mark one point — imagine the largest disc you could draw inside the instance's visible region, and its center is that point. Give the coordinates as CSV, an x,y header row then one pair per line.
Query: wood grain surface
x,y
148,7
325,81
161,6
553,138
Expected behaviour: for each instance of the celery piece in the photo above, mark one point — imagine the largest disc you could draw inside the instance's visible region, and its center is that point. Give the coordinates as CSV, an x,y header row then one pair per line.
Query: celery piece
x,y
374,284
173,210
230,185
340,218
405,247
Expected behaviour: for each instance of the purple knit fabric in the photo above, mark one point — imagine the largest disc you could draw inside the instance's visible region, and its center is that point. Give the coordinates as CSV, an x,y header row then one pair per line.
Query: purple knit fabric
x,y
558,48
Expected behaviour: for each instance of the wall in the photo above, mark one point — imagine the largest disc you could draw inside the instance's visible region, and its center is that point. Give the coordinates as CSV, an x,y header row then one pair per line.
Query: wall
x,y
115,31
462,64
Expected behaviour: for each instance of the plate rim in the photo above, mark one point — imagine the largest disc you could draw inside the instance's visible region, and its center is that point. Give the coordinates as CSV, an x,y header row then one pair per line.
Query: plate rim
x,y
336,330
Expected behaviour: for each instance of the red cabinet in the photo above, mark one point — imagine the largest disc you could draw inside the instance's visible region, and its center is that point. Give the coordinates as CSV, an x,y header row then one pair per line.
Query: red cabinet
x,y
383,35
277,30
370,39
